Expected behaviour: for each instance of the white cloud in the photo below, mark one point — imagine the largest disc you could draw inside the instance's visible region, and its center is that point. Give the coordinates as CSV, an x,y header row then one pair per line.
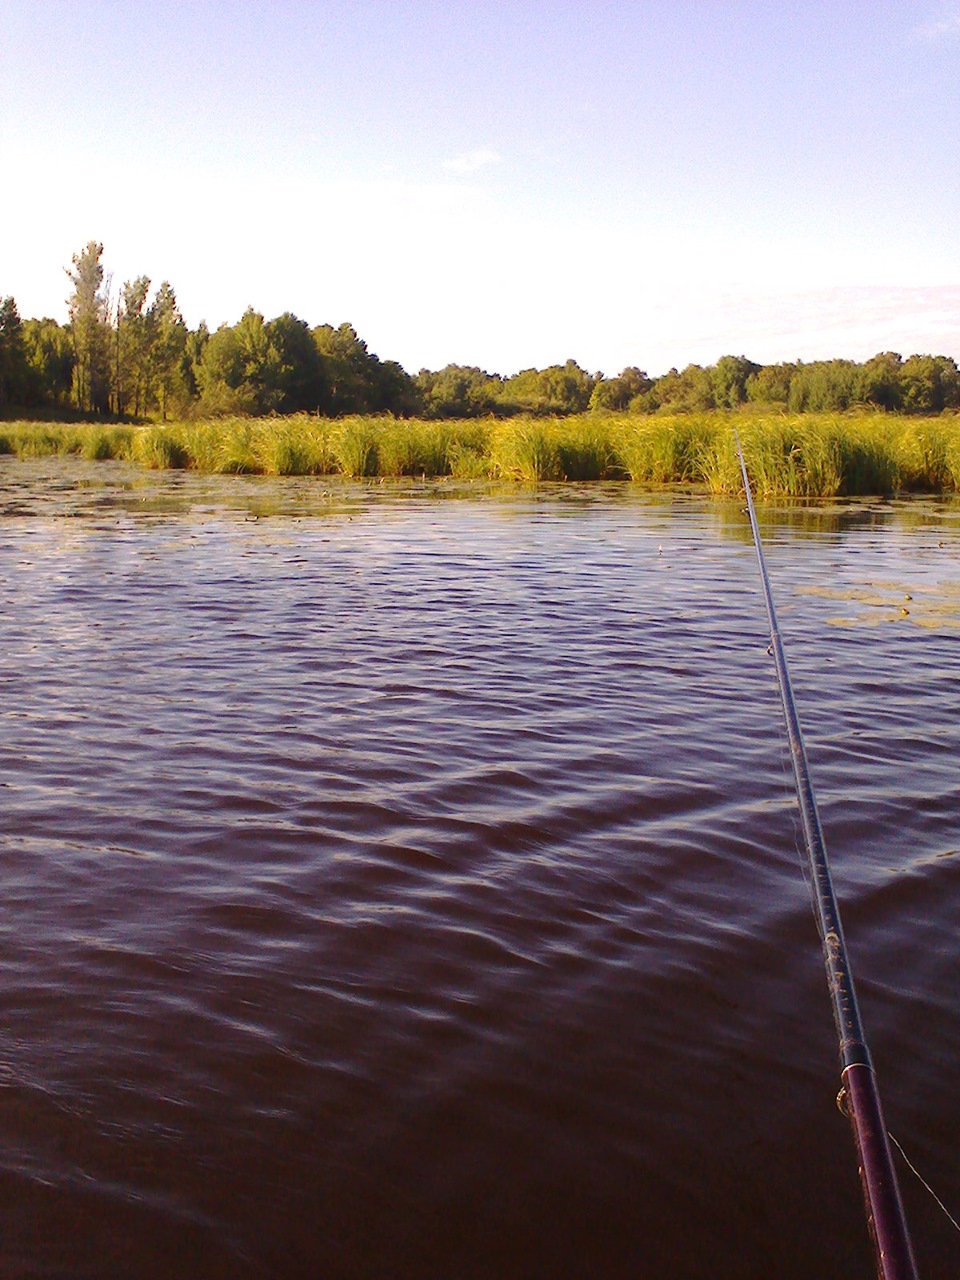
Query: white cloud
x,y
471,161
938,30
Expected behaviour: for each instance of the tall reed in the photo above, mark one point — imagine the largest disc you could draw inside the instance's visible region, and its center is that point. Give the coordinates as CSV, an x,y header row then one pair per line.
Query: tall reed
x,y
670,449
790,455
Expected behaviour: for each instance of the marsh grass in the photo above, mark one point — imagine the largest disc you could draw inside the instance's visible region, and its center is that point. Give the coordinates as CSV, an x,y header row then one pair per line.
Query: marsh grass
x,y
468,451
587,450
100,443
239,455
160,448
408,447
672,449
298,447
927,451
785,457
524,450
800,455
837,455
40,440
355,449
533,450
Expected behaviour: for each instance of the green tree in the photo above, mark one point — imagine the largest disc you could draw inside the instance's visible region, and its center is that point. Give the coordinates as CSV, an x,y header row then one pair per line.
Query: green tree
x,y
394,390
880,381
258,360
770,384
296,365
89,323
168,343
13,362
825,385
560,388
687,391
50,357
349,369
929,384
458,391
241,371
728,379
220,375
193,350
618,393
133,347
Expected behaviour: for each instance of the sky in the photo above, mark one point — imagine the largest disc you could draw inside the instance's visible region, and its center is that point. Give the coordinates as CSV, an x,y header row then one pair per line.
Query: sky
x,y
502,183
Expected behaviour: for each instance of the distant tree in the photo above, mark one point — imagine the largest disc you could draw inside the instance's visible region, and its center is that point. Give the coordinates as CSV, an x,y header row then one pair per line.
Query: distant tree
x,y
459,391
343,359
728,378
194,347
949,381
825,385
396,392
259,360
349,369
690,390
89,323
770,384
50,358
297,369
283,366
134,341
880,381
617,393
568,386
929,384
221,375
560,388
222,359
13,361
168,341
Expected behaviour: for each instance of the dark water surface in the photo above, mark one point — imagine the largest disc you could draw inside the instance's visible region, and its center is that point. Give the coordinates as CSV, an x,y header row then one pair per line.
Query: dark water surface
x,y
402,884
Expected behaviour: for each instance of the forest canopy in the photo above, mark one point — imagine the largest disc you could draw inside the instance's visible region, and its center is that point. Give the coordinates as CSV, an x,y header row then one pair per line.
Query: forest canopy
x,y
131,355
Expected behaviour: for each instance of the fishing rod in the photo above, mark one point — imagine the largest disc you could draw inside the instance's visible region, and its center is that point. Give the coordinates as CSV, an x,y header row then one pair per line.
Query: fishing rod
x,y
859,1097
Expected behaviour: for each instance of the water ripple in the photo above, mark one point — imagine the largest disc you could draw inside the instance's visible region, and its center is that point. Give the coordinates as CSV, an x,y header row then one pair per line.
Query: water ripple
x,y
407,886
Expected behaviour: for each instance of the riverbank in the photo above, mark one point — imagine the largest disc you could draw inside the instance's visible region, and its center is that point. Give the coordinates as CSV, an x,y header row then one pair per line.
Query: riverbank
x,y
808,455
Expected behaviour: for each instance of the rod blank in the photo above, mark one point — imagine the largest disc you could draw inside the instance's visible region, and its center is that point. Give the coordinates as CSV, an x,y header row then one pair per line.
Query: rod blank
x,y
885,1216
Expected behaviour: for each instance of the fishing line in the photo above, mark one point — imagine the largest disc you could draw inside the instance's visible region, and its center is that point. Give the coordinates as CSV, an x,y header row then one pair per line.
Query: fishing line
x,y
922,1180
860,1096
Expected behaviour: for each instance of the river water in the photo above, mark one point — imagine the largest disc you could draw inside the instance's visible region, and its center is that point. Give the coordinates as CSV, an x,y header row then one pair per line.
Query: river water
x,y
403,881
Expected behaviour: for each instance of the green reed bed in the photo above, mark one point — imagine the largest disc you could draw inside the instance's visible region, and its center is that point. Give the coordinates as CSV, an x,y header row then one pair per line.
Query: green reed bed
x,y
800,455
239,446
667,449
822,455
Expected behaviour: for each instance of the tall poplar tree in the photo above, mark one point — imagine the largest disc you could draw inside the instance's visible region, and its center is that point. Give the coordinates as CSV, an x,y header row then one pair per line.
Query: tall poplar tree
x,y
168,336
133,346
89,323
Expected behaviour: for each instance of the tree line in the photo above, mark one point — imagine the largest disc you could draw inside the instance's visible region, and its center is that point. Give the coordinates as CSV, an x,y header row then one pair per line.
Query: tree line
x,y
133,356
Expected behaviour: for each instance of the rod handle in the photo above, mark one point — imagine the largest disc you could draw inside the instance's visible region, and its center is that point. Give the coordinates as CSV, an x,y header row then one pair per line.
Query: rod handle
x,y
888,1224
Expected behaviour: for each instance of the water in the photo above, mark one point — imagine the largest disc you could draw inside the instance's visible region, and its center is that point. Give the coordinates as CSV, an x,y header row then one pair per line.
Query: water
x,y
403,883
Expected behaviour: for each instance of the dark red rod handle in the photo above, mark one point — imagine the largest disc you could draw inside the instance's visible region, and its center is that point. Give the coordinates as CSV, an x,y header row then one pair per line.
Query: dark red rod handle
x,y
885,1215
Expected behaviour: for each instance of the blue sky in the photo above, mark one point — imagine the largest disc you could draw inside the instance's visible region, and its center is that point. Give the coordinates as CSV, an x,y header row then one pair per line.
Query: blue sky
x,y
500,183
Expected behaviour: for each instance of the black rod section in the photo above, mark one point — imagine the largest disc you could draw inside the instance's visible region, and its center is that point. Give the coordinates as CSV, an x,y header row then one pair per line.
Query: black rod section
x,y
885,1216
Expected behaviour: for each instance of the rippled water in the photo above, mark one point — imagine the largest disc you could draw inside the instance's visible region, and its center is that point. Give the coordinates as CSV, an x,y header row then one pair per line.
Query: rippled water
x,y
404,883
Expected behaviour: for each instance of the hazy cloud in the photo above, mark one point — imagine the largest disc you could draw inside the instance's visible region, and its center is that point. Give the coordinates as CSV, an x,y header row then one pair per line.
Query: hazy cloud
x,y
471,161
938,30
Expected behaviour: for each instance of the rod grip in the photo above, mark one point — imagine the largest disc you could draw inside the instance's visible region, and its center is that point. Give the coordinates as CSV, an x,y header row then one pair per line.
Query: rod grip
x,y
888,1224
